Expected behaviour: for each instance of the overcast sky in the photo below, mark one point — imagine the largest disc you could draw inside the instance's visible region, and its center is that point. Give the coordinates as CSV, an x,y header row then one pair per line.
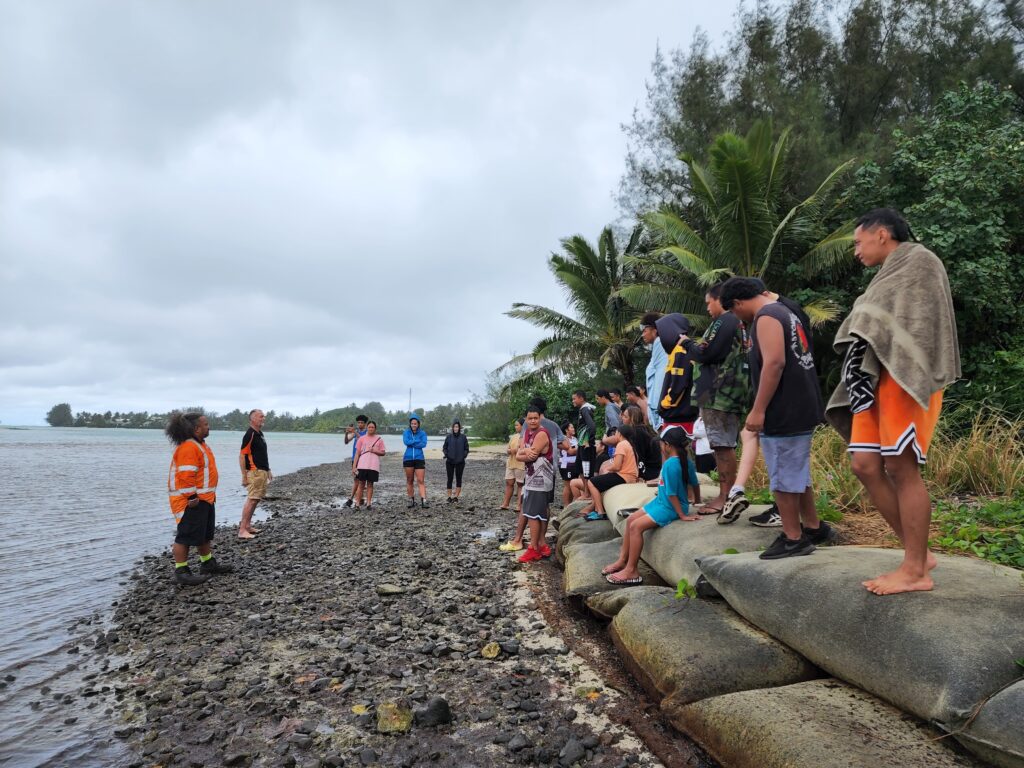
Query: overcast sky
x,y
298,205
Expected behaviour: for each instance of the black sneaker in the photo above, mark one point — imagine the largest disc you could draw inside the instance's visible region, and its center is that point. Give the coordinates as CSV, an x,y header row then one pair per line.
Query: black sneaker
x,y
823,534
211,567
783,547
451,500
369,507
411,504
769,519
734,506
423,504
347,504
185,577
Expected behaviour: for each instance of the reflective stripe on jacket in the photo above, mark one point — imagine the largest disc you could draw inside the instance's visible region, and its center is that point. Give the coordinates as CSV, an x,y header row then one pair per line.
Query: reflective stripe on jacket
x,y
193,473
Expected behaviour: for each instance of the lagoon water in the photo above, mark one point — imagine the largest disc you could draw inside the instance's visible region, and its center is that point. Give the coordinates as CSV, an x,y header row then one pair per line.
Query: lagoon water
x,y
78,507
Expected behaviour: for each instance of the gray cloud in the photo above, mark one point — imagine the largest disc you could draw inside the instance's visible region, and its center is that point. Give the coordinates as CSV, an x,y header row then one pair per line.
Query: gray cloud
x,y
299,204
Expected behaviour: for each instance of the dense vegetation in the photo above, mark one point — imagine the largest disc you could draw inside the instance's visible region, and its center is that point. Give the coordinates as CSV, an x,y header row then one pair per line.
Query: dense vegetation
x,y
757,158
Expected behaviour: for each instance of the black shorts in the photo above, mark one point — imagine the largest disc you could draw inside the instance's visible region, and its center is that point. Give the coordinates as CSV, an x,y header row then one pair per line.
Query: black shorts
x,y
368,475
585,454
535,505
705,462
607,481
414,463
197,525
568,473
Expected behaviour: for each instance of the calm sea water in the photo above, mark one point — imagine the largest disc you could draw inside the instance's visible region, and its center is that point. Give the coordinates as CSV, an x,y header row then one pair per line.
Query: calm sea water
x,y
78,507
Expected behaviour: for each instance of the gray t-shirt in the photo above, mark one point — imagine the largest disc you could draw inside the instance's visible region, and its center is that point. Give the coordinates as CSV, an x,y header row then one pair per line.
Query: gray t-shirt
x,y
553,430
612,416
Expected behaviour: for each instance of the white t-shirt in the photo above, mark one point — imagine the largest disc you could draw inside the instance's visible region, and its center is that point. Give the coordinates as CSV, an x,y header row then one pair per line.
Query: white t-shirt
x,y
701,445
564,459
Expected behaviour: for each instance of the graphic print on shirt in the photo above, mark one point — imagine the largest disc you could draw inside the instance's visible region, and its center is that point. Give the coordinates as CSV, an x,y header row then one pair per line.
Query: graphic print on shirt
x,y
798,343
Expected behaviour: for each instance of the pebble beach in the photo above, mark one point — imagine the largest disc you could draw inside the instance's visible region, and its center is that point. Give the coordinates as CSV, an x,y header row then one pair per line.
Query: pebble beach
x,y
388,637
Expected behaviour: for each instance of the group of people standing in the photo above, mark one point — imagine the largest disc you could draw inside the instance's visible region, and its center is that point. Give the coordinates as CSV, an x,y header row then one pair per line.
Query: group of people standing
x,y
368,447
751,380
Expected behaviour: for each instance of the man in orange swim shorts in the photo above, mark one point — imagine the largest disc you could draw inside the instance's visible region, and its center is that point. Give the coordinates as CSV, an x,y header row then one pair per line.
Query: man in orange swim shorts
x,y
900,352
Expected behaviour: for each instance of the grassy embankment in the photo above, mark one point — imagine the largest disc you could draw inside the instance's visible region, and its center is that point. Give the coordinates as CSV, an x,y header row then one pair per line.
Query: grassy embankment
x,y
975,476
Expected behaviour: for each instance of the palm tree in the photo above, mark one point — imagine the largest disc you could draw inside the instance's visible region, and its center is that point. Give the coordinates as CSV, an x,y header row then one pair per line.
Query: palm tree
x,y
744,228
602,326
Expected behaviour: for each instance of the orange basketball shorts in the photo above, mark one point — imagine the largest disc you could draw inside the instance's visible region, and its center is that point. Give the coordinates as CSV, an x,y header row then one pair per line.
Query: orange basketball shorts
x,y
895,422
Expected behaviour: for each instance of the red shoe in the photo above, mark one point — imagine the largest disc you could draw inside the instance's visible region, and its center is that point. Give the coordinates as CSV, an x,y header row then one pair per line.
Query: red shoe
x,y
530,555
545,551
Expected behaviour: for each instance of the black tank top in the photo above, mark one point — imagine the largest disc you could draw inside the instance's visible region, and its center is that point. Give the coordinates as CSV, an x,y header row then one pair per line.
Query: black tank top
x,y
797,407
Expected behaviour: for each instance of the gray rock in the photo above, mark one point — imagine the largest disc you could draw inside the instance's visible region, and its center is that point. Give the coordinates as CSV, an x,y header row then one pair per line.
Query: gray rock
x,y
572,752
518,742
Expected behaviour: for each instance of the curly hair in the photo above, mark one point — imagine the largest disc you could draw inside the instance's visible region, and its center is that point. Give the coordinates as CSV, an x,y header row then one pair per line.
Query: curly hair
x,y
182,426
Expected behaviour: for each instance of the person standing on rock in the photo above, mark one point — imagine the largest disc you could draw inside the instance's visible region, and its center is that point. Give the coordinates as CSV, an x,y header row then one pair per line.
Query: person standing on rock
x,y
586,434
256,474
655,373
900,351
722,389
557,439
612,412
414,461
369,449
456,451
192,492
352,435
536,452
514,469
787,409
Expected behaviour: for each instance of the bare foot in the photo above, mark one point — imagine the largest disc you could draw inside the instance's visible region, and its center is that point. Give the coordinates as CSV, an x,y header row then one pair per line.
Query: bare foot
x,y
618,565
899,581
245,535
255,530
930,562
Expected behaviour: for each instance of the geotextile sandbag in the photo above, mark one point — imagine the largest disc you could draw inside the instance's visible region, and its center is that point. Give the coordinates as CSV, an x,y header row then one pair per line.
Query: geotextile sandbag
x,y
577,530
688,649
997,733
628,496
583,563
935,654
812,725
672,551
568,512
606,605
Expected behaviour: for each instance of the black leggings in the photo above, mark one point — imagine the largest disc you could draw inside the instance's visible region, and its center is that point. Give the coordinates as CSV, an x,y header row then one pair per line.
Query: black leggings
x,y
456,470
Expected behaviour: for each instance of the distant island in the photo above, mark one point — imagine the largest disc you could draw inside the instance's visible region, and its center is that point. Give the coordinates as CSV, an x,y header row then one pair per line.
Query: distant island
x,y
435,421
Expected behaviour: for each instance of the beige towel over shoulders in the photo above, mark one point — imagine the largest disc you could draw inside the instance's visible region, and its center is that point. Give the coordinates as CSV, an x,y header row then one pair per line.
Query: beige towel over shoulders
x,y
906,317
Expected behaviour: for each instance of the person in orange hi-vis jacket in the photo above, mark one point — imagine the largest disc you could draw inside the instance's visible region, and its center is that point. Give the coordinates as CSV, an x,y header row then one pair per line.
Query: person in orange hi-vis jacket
x,y
192,490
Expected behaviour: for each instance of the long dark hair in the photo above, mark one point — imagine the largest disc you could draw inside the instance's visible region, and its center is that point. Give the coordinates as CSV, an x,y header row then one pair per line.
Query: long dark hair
x,y
182,426
677,439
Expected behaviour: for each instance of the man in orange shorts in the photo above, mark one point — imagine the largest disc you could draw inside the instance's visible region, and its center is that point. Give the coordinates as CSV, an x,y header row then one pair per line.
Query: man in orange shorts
x,y
896,363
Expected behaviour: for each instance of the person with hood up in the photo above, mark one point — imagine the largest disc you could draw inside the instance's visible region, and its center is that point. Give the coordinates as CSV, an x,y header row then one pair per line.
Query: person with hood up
x,y
675,405
414,461
456,449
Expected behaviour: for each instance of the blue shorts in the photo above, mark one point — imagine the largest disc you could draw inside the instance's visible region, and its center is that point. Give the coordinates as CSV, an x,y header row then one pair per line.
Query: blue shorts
x,y
663,514
789,462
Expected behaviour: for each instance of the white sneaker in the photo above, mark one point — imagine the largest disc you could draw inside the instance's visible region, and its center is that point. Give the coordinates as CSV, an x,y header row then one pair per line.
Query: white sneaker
x,y
734,506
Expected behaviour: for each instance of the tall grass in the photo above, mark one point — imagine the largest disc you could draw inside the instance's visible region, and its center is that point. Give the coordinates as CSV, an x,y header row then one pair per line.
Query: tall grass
x,y
976,454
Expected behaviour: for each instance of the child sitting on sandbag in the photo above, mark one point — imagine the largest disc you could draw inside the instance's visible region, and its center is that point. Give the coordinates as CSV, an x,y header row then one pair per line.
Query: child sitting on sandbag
x,y
668,506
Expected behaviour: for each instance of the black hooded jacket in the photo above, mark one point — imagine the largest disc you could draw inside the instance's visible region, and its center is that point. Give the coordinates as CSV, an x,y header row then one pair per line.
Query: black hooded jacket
x,y
456,446
674,401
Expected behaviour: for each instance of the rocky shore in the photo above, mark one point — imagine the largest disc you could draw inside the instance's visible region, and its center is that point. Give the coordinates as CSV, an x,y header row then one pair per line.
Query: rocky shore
x,y
391,637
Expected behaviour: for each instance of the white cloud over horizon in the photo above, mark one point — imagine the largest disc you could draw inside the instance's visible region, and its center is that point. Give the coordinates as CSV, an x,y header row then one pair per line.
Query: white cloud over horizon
x,y
298,206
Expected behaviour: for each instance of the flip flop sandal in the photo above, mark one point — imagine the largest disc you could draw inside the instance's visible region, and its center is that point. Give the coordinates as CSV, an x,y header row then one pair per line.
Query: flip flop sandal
x,y
705,510
624,582
594,516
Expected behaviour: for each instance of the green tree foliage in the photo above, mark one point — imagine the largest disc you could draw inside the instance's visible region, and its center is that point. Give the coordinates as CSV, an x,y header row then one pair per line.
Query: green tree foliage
x,y
60,416
958,175
846,73
739,222
603,328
